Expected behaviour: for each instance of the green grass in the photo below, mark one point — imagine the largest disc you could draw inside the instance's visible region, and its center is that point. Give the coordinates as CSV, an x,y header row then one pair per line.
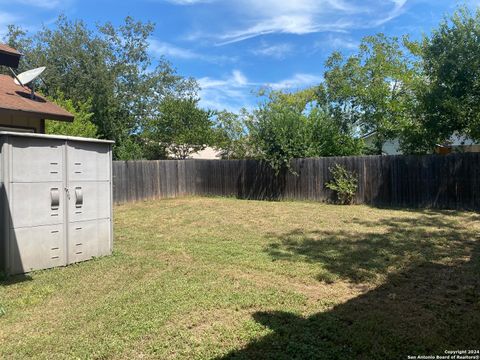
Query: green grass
x,y
224,278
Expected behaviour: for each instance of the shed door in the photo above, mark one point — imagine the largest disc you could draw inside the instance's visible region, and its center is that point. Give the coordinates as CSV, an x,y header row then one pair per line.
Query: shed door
x,y
60,202
36,182
89,205
36,204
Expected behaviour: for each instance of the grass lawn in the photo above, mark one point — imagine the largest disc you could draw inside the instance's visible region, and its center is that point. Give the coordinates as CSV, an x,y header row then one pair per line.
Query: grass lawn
x,y
224,278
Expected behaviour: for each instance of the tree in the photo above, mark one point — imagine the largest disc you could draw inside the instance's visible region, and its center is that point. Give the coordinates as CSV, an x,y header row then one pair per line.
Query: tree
x,y
293,125
81,126
110,67
329,138
180,128
373,89
450,98
231,134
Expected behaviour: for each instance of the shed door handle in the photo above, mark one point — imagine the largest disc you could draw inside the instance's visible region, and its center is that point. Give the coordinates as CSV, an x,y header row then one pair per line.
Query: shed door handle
x,y
78,197
54,198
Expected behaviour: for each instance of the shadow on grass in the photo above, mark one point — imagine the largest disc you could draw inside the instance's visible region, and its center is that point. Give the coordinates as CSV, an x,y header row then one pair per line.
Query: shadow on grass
x,y
424,307
376,247
425,310
14,279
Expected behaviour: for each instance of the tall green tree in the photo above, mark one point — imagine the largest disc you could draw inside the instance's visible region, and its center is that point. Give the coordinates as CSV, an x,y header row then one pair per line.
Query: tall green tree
x,y
373,89
450,98
109,66
231,134
82,124
294,125
180,128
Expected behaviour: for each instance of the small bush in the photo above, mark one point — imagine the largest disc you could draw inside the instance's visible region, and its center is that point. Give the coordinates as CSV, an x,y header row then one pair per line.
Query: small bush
x,y
344,184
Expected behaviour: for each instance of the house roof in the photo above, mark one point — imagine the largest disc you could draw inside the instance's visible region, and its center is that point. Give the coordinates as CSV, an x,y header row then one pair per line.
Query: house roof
x,y
367,135
9,56
9,50
17,98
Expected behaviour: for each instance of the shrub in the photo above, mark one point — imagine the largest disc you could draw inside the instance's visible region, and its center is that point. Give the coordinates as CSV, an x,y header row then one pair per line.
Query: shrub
x,y
344,184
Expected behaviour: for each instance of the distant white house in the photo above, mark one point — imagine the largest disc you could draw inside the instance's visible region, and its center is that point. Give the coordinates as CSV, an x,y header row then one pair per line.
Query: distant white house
x,y
457,143
208,153
389,147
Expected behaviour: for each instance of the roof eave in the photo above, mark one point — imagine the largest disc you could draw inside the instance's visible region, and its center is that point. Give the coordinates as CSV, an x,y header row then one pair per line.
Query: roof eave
x,y
65,118
40,115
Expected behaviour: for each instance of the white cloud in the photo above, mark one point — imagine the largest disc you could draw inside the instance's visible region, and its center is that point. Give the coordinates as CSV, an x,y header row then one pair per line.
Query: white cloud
x,y
235,91
344,43
277,51
230,93
252,18
161,48
238,78
336,42
290,24
20,13
297,81
397,10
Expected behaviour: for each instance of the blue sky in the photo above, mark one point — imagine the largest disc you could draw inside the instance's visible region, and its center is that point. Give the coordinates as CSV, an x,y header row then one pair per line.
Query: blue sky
x,y
234,47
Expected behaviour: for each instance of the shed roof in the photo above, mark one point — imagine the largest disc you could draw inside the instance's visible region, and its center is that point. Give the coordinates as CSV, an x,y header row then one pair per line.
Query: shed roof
x,y
17,98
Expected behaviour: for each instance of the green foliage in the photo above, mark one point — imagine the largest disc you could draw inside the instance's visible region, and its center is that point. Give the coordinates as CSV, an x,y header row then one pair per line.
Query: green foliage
x,y
231,134
329,138
291,126
450,98
420,92
344,183
109,67
374,89
81,126
132,148
180,128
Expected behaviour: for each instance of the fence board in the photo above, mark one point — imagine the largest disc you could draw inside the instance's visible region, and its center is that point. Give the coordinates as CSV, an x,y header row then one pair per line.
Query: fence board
x,y
433,181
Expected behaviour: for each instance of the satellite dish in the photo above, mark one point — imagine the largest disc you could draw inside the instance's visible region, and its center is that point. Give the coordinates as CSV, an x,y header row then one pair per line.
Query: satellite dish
x,y
28,76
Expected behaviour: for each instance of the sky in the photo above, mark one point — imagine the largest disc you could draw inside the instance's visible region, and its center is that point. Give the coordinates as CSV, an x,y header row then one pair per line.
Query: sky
x,y
235,47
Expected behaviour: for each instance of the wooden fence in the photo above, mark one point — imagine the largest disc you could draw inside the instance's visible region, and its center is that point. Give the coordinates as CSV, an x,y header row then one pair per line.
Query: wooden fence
x,y
432,181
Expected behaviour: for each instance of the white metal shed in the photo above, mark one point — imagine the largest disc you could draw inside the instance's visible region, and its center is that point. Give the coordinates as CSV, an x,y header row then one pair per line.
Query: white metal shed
x,y
55,200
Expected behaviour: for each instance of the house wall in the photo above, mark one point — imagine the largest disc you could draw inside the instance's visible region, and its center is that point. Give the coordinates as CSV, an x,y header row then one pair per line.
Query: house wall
x,y
460,140
390,147
458,143
208,153
11,120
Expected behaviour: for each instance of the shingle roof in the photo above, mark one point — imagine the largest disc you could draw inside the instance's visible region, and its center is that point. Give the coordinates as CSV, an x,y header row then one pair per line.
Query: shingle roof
x,y
16,98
